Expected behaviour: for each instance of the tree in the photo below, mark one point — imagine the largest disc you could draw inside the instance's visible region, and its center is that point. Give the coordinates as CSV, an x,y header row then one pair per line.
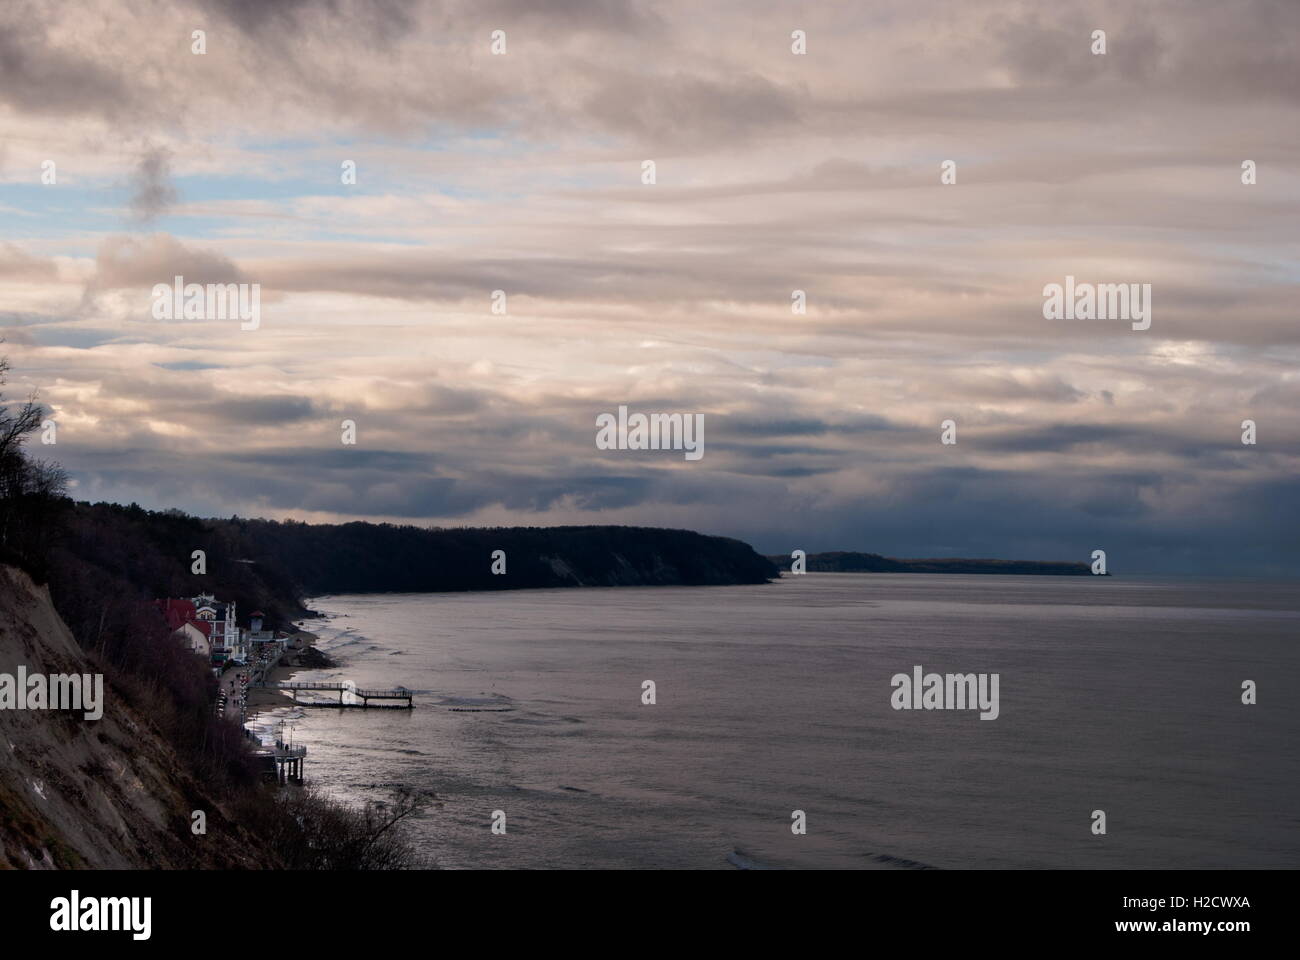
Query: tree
x,y
30,490
14,427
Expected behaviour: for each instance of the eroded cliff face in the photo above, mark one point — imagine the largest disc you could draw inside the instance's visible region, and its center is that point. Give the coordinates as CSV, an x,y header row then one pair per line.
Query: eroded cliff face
x,y
100,794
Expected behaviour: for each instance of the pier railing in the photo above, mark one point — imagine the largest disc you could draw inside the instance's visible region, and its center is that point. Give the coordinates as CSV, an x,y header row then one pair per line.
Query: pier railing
x,y
361,693
304,685
288,762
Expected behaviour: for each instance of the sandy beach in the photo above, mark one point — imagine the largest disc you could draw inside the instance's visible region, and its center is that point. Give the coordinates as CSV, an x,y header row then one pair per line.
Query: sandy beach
x,y
266,698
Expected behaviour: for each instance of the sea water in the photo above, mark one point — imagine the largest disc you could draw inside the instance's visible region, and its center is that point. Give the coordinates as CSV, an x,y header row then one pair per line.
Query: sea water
x,y
1120,696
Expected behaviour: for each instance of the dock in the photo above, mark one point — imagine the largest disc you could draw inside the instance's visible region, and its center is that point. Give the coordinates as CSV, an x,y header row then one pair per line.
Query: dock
x,y
288,760
366,695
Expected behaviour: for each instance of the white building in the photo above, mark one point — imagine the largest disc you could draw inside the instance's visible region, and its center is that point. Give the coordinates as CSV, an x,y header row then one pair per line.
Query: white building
x,y
227,644
195,639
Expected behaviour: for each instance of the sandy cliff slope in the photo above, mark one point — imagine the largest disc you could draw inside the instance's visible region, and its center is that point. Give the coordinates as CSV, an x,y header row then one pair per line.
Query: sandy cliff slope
x,y
107,793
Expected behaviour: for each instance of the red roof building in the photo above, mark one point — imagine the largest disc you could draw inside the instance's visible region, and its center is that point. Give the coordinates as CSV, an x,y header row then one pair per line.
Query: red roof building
x,y
177,613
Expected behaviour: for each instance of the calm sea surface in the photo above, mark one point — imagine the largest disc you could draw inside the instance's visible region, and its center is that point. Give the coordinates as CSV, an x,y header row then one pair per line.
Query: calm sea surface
x,y
1115,695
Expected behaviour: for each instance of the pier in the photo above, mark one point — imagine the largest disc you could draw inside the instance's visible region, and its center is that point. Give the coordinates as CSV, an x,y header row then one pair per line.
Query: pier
x,y
366,695
288,760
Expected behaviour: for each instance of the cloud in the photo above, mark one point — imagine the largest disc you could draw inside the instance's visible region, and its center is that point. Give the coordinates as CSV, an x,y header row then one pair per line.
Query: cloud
x,y
39,75
153,193
18,264
776,173
130,261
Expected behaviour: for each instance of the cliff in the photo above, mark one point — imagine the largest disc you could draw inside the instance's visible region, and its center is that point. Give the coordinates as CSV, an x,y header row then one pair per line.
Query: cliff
x,y
270,565
367,557
99,794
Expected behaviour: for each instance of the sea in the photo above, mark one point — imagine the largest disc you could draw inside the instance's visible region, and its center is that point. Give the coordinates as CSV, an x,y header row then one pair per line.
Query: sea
x,y
770,737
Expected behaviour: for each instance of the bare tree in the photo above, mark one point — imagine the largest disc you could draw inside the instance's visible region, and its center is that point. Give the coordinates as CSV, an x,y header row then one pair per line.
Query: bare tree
x,y
14,426
28,489
313,832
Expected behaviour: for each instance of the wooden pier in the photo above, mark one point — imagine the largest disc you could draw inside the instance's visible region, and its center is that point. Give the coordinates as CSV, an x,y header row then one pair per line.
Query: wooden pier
x,y
288,760
396,693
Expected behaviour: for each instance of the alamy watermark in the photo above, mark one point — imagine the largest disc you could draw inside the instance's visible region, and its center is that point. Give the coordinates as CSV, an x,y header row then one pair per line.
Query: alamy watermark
x,y
951,691
213,301
56,691
1098,301
75,913
655,431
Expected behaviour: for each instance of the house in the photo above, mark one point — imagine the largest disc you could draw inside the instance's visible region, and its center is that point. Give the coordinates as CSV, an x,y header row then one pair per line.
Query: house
x,y
176,612
221,615
206,625
180,617
227,642
196,638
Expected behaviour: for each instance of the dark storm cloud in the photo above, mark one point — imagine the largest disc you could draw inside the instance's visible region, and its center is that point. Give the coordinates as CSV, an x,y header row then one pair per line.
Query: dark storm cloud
x,y
277,20
1231,527
254,16
1063,437
40,78
343,460
765,451
281,23
784,427
152,190
631,16
1188,442
266,411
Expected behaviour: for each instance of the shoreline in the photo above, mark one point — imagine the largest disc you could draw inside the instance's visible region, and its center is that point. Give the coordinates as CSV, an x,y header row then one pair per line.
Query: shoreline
x,y
262,699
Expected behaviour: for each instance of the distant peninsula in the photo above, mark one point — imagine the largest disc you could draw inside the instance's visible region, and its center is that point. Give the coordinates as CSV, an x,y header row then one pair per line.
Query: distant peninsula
x,y
274,566
847,561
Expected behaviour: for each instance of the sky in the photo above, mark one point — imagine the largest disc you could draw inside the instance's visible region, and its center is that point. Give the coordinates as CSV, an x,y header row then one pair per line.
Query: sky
x,y
523,170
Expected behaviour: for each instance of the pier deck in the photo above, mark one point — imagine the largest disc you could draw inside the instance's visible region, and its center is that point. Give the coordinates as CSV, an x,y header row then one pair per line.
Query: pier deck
x,y
366,695
288,760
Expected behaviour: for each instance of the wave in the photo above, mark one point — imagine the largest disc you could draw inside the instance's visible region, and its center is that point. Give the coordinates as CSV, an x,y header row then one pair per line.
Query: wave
x,y
901,862
495,700
743,861
333,640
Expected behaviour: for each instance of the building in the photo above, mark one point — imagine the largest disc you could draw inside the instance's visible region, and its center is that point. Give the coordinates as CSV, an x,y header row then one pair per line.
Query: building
x,y
255,633
176,612
180,617
221,615
207,626
227,642
196,638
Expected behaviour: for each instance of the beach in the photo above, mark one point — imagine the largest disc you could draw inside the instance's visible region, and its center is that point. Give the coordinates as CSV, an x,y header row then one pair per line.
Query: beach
x,y
301,648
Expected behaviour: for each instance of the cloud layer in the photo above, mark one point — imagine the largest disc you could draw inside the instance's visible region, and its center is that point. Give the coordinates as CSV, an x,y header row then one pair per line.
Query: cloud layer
x,y
775,172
